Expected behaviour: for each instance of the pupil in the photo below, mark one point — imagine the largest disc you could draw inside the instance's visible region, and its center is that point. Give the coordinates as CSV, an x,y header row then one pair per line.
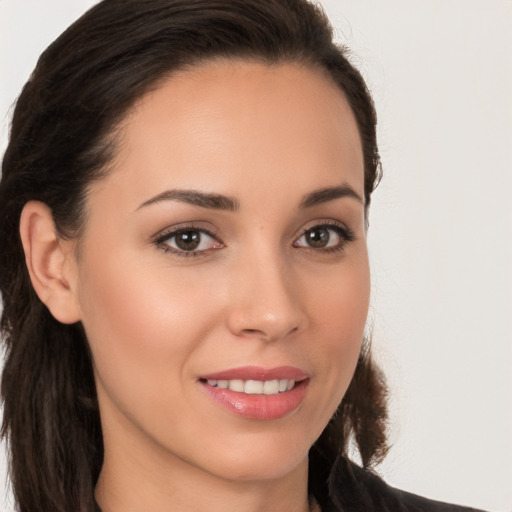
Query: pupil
x,y
318,237
188,240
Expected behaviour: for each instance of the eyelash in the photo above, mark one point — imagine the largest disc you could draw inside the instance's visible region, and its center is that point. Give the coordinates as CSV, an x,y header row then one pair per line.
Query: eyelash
x,y
165,237
345,234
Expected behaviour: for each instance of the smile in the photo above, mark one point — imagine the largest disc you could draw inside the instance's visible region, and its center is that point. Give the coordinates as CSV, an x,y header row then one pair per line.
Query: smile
x,y
258,393
254,387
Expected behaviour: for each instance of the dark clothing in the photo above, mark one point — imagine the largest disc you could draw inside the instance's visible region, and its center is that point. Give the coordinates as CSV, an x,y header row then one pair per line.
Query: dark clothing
x,y
368,492
406,502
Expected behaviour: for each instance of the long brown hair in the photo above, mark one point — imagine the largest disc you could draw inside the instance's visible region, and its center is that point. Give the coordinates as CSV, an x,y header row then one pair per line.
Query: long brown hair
x,y
61,139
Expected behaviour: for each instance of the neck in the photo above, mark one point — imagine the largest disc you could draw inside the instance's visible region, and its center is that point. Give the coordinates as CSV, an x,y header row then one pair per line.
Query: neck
x,y
135,489
135,478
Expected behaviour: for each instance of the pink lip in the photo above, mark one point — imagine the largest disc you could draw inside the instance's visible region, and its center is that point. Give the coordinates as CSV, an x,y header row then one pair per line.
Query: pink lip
x,y
258,407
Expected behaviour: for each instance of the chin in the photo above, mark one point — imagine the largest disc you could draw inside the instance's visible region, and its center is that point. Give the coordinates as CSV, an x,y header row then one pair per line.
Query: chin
x,y
252,471
260,457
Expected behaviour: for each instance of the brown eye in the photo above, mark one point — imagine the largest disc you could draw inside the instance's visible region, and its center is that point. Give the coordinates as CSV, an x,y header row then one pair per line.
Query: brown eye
x,y
317,237
189,241
325,237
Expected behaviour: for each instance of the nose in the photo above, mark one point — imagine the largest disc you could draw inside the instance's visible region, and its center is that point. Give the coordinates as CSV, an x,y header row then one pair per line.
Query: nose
x,y
265,300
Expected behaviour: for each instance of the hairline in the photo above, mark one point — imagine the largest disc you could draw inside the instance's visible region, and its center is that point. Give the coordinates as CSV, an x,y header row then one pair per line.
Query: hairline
x,y
112,140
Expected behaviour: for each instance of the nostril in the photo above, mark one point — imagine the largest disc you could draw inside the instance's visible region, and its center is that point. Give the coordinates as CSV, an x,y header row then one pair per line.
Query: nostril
x,y
257,319
253,333
268,335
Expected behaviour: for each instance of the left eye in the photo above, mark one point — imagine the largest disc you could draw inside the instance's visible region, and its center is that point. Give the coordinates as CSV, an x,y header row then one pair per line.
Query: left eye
x,y
323,237
189,240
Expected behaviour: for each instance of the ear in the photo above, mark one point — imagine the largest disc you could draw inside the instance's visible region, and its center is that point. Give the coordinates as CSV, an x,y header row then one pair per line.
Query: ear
x,y
50,261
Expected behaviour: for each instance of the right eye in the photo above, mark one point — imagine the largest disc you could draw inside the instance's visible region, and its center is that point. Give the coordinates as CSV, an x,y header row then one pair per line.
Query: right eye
x,y
188,241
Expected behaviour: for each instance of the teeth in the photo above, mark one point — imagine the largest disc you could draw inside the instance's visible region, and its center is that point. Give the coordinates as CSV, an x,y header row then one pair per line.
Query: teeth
x,y
271,387
254,387
236,385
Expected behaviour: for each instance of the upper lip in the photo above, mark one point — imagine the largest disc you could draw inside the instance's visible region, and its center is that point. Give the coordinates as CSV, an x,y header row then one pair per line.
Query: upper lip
x,y
258,373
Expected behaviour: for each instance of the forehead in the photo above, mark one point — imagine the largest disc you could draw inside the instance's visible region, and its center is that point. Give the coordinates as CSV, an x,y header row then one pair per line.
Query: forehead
x,y
240,126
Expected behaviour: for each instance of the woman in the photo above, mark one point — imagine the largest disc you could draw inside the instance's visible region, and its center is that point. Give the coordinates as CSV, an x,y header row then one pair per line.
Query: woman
x,y
185,278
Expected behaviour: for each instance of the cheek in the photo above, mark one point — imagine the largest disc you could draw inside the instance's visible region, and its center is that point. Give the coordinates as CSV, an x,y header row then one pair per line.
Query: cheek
x,y
142,326
340,306
339,313
139,325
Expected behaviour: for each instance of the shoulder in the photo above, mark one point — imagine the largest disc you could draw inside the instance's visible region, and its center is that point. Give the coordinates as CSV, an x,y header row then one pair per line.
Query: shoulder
x,y
413,502
359,489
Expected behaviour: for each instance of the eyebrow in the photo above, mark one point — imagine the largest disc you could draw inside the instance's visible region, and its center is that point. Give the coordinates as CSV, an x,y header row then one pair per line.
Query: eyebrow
x,y
196,198
324,195
221,202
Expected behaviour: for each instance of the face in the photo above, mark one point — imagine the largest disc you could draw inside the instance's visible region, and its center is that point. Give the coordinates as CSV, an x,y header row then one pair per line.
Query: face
x,y
222,278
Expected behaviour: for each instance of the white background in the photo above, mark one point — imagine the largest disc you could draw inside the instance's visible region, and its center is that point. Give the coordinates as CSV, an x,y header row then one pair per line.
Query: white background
x,y
441,225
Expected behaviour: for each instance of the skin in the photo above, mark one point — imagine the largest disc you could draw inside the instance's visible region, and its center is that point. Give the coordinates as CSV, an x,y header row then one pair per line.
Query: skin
x,y
255,293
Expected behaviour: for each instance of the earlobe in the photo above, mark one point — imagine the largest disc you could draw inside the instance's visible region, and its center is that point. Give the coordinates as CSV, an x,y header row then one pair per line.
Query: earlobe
x,y
50,262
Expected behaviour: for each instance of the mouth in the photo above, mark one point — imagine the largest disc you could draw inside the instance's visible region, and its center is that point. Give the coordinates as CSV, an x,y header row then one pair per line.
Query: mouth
x,y
253,387
257,393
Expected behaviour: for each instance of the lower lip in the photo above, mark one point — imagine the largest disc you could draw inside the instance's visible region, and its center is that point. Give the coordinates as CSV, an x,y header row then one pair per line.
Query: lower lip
x,y
259,407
